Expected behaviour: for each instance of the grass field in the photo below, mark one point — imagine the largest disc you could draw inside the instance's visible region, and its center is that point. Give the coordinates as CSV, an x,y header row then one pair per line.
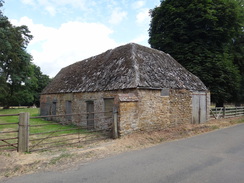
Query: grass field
x,y
68,133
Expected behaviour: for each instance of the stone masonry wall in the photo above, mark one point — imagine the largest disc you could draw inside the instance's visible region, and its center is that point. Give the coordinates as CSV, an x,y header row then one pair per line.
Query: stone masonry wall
x,y
154,111
180,107
79,106
150,111
128,117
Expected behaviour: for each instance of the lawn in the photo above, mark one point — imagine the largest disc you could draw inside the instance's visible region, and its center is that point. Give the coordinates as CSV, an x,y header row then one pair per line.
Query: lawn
x,y
42,132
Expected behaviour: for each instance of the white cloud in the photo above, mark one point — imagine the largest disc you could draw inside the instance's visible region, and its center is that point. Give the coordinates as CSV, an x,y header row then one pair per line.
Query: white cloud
x,y
138,4
30,2
39,31
81,4
142,38
51,10
54,6
117,16
71,42
143,16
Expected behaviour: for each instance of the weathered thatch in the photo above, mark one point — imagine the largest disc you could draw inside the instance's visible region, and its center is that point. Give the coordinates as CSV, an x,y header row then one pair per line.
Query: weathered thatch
x,y
125,67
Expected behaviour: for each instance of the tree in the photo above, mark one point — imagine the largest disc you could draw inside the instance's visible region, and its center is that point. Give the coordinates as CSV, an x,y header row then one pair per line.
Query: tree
x,y
199,34
14,60
40,82
18,78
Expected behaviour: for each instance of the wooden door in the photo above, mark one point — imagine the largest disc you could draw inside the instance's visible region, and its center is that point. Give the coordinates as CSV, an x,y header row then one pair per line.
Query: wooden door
x,y
90,114
199,107
68,109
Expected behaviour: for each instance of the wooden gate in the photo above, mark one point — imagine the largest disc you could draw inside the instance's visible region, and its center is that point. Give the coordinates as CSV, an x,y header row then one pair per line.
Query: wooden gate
x,y
199,107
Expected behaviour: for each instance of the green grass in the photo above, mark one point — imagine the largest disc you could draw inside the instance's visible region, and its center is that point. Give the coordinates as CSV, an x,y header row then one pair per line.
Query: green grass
x,y
69,129
38,121
60,157
214,127
241,120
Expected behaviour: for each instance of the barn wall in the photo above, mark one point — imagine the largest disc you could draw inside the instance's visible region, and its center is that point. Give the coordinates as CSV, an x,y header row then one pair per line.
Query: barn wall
x,y
78,105
153,109
128,117
180,107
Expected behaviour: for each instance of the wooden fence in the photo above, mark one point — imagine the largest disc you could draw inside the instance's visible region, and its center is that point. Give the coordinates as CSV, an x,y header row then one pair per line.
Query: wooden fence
x,y
24,136
27,137
9,134
226,112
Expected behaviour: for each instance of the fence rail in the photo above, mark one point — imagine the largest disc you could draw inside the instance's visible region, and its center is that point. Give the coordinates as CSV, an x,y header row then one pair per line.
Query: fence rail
x,y
31,135
9,136
226,112
24,136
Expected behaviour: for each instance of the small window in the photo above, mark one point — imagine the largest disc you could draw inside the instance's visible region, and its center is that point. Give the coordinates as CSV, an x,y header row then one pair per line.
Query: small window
x,y
165,92
108,107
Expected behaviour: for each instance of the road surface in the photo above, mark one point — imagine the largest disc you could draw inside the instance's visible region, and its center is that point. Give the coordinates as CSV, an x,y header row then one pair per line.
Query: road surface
x,y
215,157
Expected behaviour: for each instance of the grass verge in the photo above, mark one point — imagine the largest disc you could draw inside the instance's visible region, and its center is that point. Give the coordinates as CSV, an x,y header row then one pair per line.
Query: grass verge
x,y
14,163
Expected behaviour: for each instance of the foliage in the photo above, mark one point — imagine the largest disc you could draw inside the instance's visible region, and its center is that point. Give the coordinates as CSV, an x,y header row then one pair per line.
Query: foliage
x,y
201,36
19,77
39,82
238,53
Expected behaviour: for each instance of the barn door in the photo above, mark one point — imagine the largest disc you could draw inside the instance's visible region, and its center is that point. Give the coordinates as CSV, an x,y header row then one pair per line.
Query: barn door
x,y
199,107
90,114
68,107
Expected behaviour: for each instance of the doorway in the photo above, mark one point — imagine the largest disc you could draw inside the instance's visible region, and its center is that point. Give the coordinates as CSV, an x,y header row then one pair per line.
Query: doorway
x,y
90,114
199,107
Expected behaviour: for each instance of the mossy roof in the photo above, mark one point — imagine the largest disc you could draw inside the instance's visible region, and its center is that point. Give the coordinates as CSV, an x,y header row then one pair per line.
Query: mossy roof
x,y
125,67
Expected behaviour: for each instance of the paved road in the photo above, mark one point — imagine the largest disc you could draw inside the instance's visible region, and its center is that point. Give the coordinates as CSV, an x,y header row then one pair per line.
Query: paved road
x,y
216,157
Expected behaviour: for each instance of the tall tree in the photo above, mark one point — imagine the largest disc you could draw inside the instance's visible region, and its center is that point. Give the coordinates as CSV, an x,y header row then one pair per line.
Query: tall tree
x,y
199,34
19,80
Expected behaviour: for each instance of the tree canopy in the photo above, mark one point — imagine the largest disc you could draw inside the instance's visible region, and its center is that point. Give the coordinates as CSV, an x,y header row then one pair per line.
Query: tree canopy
x,y
205,37
19,77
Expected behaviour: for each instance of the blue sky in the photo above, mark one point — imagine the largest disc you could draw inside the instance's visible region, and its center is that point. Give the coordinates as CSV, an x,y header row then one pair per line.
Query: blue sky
x,y
67,31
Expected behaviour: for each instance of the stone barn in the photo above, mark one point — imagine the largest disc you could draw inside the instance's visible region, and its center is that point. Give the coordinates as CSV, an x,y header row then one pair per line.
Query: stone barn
x,y
149,88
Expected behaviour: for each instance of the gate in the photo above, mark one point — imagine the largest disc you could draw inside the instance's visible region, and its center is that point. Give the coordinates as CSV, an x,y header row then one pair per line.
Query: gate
x,y
226,112
9,135
60,134
32,134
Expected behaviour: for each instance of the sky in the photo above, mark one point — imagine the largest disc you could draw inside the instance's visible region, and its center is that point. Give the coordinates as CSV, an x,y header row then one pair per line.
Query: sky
x,y
67,31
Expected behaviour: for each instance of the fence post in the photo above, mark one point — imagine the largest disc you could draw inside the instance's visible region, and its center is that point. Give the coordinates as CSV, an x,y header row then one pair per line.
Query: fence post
x,y
115,123
224,112
23,141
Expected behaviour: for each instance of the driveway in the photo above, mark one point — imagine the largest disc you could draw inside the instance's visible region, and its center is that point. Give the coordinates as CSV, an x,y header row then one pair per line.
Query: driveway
x,y
215,157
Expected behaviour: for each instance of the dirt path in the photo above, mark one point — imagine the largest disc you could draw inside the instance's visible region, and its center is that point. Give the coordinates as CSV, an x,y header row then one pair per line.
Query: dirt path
x,y
14,164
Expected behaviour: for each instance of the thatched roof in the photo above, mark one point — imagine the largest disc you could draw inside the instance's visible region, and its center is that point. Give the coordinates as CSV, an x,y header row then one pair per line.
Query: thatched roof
x,y
128,66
